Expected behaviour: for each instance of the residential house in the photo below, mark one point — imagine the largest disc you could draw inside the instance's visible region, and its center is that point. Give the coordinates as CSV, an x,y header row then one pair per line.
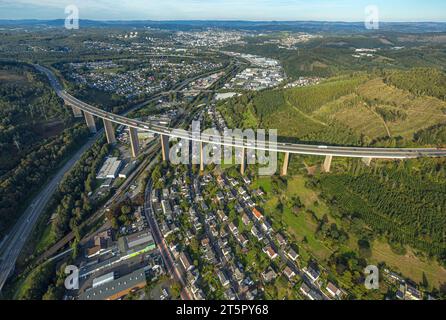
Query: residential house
x,y
223,217
289,273
309,293
269,274
245,219
256,233
233,228
270,252
334,291
292,254
412,293
257,214
280,239
242,240
266,226
246,180
186,262
312,273
223,278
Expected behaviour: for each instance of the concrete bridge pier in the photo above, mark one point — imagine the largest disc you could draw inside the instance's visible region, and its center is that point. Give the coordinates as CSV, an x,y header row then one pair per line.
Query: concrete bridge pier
x,y
367,161
327,163
243,162
109,131
286,161
201,157
134,143
165,147
77,112
89,119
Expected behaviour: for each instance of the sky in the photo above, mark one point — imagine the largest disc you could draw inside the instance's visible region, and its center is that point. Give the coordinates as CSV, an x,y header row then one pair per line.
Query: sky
x,y
290,10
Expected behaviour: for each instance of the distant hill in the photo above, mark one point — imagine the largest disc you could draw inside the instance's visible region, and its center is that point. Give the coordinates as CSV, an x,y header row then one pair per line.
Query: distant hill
x,y
303,26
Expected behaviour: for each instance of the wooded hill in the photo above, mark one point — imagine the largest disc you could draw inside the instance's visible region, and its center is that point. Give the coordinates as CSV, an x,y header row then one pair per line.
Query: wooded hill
x,y
30,111
359,109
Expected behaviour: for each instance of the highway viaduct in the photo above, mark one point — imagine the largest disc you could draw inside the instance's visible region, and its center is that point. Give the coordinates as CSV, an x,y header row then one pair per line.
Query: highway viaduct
x,y
366,154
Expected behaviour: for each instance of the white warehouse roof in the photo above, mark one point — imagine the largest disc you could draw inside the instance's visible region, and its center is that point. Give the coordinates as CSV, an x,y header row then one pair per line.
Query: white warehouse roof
x,y
109,169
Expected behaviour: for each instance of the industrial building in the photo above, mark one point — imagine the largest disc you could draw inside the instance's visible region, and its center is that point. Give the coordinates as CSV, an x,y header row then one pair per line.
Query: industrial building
x,y
139,238
128,169
109,169
106,278
107,183
226,95
116,288
137,242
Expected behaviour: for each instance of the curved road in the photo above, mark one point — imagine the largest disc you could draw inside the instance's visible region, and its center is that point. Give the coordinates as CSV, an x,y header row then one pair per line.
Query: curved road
x,y
14,242
12,245
321,150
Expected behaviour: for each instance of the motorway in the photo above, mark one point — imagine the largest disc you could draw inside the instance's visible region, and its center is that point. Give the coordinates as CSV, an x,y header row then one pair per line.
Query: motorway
x,y
18,235
239,142
13,243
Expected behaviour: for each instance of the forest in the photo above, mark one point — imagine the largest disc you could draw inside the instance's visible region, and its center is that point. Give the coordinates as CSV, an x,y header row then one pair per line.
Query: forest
x,y
20,184
433,135
71,204
419,81
404,202
30,111
357,110
332,55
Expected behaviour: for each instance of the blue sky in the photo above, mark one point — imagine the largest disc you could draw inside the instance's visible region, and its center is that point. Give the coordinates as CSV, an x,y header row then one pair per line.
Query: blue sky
x,y
329,10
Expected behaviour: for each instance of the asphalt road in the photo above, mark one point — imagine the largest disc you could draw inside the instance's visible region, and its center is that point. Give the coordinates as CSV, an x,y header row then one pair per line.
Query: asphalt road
x,y
159,240
282,254
117,197
293,148
13,243
12,246
18,235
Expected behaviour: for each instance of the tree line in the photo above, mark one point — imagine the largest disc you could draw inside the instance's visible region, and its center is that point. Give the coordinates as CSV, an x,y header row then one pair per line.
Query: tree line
x,y
27,105
419,81
403,204
20,184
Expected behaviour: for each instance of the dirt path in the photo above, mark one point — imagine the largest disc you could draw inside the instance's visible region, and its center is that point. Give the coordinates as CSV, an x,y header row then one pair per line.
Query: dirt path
x,y
381,119
306,115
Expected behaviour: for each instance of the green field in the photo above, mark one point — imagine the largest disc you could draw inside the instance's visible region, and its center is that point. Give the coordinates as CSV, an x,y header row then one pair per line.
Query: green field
x,y
302,226
409,264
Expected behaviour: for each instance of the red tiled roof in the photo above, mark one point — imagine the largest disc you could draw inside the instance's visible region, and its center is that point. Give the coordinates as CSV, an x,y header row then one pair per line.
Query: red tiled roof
x,y
257,213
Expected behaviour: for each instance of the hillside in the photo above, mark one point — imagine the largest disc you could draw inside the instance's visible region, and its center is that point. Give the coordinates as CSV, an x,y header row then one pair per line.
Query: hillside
x,y
30,112
420,81
352,110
